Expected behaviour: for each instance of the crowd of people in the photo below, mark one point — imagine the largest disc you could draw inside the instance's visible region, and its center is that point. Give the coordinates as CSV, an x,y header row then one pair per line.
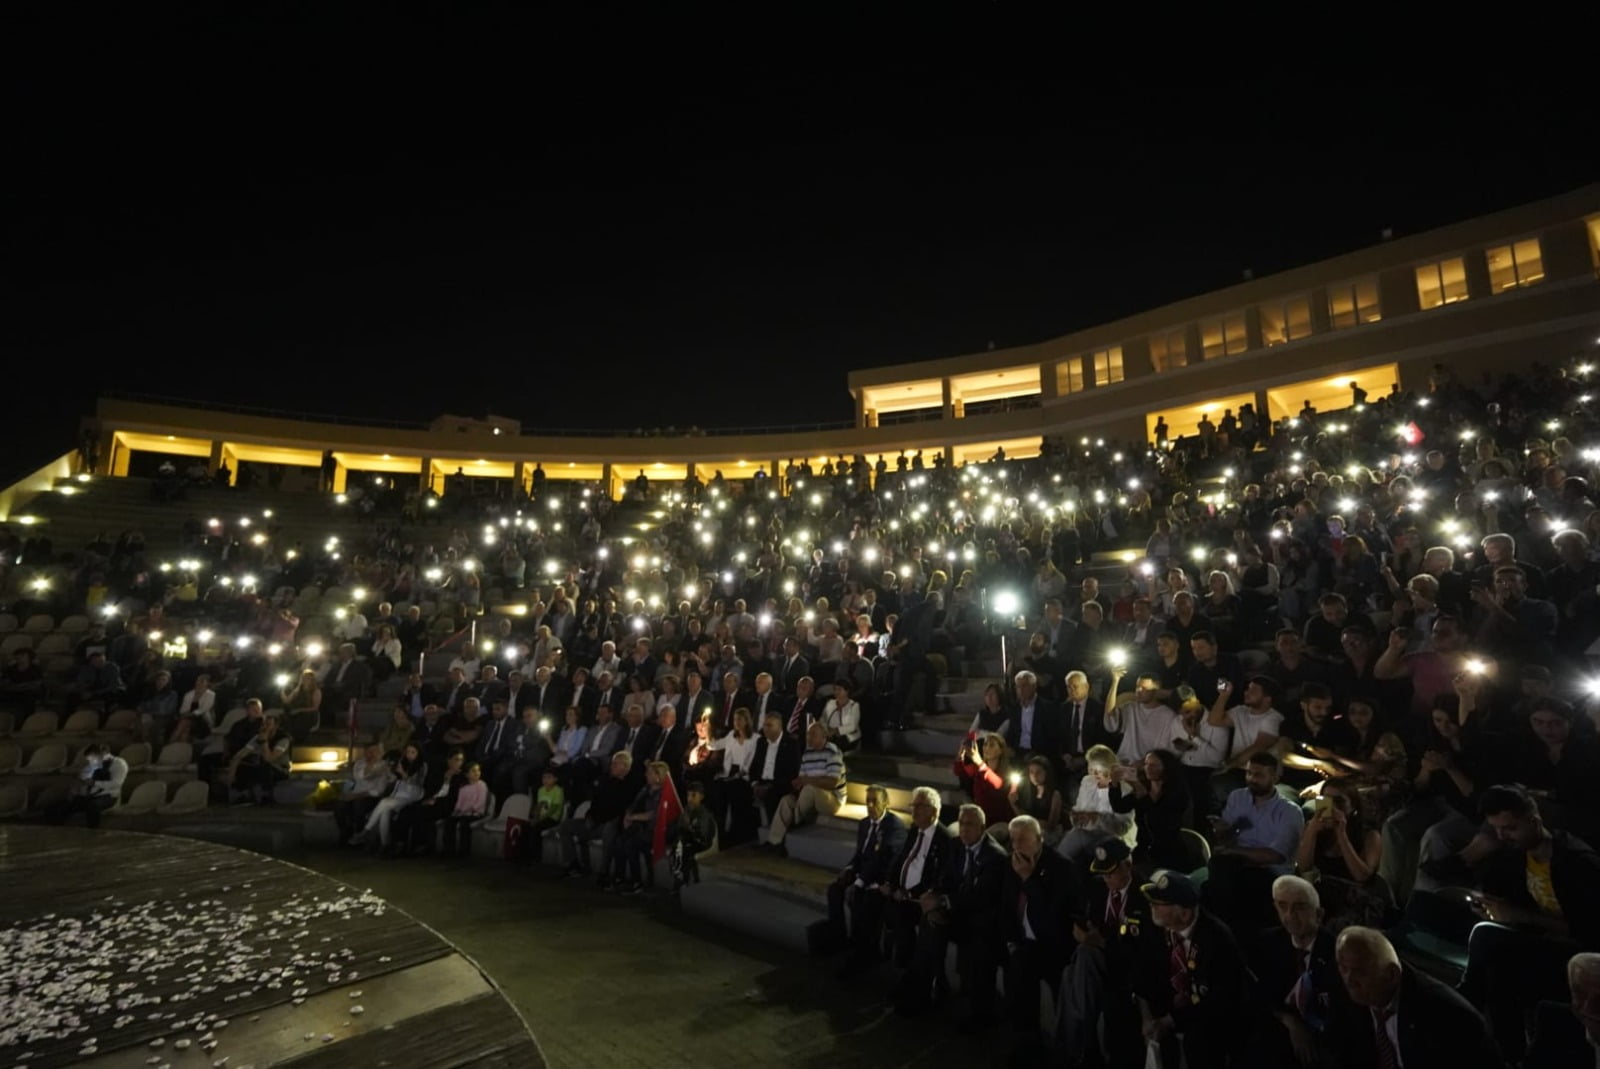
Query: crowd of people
x,y
1344,684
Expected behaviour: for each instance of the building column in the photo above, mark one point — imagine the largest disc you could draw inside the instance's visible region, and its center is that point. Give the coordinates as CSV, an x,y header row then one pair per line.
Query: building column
x,y
1049,380
214,461
950,457
105,457
606,480
953,407
120,455
1252,328
861,409
1321,322
341,476
425,475
1263,416
519,475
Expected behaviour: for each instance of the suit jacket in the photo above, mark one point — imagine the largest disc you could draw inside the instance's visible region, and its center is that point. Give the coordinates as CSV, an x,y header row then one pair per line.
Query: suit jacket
x,y
644,745
357,683
1218,976
972,892
489,749
810,709
1049,732
787,766
602,742
554,701
611,698
785,680
1276,966
583,699
1048,893
873,860
519,699
775,704
670,746
453,696
1094,727
939,847
722,711
694,705
488,693
1438,1029
427,693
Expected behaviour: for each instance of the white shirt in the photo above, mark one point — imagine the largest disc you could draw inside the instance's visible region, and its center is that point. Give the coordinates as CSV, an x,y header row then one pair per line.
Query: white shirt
x,y
770,769
911,875
1025,726
1093,798
1247,724
738,752
116,767
842,720
1392,1027
1144,728
203,705
1210,748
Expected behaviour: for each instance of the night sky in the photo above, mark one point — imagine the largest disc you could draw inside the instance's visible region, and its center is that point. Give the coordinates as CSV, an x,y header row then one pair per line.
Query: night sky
x,y
322,214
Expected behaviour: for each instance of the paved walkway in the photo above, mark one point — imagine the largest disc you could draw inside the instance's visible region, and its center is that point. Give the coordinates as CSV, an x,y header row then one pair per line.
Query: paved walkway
x,y
618,983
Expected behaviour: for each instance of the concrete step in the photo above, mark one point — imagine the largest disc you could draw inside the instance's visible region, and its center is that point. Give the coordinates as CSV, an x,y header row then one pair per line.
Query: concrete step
x,y
970,684
932,770
770,898
932,743
966,704
827,847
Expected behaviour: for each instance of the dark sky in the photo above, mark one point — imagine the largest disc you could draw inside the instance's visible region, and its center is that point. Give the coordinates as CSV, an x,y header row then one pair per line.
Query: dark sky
x,y
319,213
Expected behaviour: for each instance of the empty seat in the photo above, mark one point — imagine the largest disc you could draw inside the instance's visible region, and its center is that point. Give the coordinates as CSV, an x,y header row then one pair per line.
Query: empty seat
x,y
492,829
10,756
39,624
76,624
8,623
46,760
14,642
137,754
8,724
50,645
122,721
192,797
38,725
175,757
82,722
13,800
146,798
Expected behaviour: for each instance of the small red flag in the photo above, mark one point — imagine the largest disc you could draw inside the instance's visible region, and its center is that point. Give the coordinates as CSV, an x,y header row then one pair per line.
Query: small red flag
x,y
1412,433
667,814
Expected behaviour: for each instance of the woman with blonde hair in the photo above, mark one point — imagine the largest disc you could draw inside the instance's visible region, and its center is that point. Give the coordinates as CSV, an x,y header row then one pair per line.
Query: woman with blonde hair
x,y
1092,818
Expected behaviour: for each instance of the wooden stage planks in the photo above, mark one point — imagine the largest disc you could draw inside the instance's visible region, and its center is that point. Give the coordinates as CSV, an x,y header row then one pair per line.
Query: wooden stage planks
x,y
201,927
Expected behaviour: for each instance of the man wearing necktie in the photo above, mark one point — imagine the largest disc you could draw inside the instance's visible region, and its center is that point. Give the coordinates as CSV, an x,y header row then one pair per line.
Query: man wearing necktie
x,y
1190,978
1297,988
496,742
879,836
794,666
962,908
916,871
1116,916
1036,895
1398,1018
802,708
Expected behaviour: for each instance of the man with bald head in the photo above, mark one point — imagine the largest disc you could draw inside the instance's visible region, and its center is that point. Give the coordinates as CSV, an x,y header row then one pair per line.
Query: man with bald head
x,y
1569,1032
1400,1018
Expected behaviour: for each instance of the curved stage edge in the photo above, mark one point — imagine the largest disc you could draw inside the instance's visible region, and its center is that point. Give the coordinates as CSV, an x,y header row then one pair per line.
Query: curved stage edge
x,y
130,949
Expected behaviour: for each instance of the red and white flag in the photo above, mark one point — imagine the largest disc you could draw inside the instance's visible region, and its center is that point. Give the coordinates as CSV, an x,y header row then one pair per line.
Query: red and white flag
x,y
667,814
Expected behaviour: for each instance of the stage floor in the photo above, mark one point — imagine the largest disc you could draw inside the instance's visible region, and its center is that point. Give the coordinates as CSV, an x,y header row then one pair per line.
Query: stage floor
x,y
127,949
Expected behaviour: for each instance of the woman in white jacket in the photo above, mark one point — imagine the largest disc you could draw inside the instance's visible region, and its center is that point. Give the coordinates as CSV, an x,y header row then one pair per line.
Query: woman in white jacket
x,y
841,718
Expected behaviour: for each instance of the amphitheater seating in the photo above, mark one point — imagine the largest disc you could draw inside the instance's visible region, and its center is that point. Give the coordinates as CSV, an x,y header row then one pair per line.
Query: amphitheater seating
x,y
146,798
82,722
174,757
39,624
47,759
76,624
191,797
38,726
491,830
10,757
8,623
13,800
137,755
121,722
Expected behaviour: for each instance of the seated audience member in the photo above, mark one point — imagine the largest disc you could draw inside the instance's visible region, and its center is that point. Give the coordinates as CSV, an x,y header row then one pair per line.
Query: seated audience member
x,y
1036,795
630,869
410,772
1141,720
983,767
732,798
855,906
841,718
1157,795
1297,992
1341,851
1256,726
369,780
1537,909
197,713
99,787
1093,818
414,825
1202,747
602,821
774,765
471,806
1190,979
818,787
962,908
697,833
1256,840
1036,898
1568,1032
1095,1022
261,763
913,872
1395,1015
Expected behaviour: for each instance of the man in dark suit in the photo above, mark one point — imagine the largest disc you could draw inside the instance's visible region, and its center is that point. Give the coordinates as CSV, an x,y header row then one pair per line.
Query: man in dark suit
x,y
518,694
582,696
347,679
787,672
801,707
1035,724
457,690
728,699
495,746
1036,896
775,765
766,699
640,740
915,873
549,696
1083,722
490,687
671,742
417,696
1567,1034
963,908
1116,917
607,693
878,838
1190,978
1298,992
697,700
1398,1016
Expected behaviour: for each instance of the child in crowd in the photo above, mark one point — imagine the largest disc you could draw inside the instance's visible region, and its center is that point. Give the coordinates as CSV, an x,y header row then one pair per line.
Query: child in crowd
x,y
549,805
472,802
697,832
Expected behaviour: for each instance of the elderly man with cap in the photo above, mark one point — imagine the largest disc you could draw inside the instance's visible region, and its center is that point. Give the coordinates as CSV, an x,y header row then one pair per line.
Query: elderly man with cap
x,y
1297,986
1115,919
1398,1018
1190,978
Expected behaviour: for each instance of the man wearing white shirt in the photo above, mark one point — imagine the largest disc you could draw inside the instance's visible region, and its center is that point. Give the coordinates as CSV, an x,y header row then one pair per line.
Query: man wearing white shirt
x,y
608,661
99,787
916,871
1142,719
1256,727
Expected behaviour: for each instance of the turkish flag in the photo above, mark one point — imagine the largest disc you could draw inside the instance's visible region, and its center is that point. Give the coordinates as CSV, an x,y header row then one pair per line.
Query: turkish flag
x,y
514,844
667,813
1412,433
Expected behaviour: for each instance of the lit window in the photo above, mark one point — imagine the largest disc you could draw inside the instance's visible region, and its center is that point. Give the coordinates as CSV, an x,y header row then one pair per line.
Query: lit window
x,y
1517,264
1442,283
1169,350
1351,304
1222,337
1069,376
1108,366
1286,321
1594,241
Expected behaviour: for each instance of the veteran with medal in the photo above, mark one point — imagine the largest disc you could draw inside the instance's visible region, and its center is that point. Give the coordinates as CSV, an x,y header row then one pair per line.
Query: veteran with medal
x,y
1107,937
1190,978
